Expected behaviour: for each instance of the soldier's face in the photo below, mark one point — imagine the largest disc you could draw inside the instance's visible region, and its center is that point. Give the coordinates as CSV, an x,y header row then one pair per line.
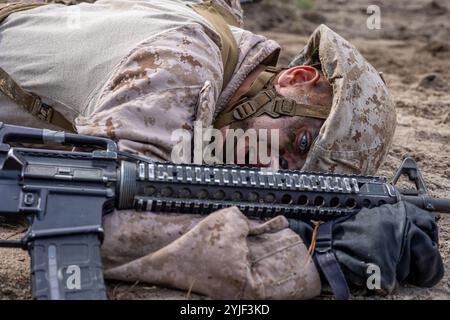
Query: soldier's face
x,y
296,134
295,138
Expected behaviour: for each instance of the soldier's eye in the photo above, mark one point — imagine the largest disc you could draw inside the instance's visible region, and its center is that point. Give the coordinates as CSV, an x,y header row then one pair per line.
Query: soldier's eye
x,y
303,142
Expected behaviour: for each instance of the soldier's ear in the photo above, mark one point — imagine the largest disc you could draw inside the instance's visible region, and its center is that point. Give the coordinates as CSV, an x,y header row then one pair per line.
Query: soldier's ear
x,y
299,75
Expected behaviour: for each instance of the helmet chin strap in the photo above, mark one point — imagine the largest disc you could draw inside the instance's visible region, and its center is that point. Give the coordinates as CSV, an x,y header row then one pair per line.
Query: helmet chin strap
x,y
262,98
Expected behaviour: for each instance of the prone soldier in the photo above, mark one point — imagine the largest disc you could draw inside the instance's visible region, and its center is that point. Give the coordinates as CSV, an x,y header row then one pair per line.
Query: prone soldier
x,y
136,71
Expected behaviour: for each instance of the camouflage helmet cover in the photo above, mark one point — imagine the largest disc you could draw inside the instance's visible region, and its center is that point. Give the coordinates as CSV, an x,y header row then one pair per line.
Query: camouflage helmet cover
x,y
359,130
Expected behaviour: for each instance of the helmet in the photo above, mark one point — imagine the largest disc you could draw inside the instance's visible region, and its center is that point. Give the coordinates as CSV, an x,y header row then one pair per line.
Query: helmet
x,y
359,130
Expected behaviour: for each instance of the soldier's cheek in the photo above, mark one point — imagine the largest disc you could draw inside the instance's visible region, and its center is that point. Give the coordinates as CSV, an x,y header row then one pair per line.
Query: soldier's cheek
x,y
294,161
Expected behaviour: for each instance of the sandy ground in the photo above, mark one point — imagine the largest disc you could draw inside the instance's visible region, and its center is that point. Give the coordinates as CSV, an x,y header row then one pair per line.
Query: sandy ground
x,y
412,49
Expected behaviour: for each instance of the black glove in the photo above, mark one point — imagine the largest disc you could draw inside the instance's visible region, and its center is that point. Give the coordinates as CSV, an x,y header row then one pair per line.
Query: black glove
x,y
401,239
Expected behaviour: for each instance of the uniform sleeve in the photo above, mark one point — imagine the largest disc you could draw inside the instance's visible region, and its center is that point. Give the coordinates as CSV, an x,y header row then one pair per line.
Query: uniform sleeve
x,y
155,91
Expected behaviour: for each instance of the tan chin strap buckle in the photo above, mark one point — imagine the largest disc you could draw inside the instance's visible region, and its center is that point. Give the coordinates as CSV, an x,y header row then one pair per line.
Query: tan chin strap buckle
x,y
243,111
262,98
254,106
284,107
42,110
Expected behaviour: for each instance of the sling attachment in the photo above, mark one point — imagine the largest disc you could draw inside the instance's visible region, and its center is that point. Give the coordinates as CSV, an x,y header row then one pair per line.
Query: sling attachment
x,y
327,261
250,108
32,103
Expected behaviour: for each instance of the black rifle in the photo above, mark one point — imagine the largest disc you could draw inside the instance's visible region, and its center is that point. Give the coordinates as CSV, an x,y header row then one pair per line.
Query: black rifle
x,y
249,1
64,194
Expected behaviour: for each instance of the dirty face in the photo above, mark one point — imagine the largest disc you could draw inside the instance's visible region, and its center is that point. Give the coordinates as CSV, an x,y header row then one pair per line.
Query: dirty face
x,y
295,138
302,84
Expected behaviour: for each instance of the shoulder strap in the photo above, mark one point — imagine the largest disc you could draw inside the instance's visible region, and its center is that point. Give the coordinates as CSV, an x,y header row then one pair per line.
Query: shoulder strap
x,y
328,263
220,20
31,102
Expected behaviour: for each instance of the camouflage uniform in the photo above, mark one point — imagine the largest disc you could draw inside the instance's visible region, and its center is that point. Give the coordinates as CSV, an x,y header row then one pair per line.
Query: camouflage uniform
x,y
137,88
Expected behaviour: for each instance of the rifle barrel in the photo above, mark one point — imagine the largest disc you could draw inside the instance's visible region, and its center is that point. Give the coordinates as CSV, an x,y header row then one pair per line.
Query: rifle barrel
x,y
429,203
